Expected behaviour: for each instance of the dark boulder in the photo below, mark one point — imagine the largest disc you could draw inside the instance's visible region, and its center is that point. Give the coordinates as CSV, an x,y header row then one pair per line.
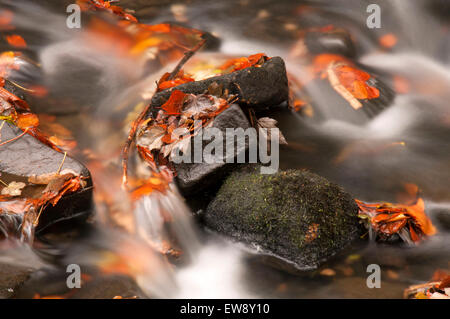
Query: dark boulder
x,y
257,87
196,177
25,157
296,215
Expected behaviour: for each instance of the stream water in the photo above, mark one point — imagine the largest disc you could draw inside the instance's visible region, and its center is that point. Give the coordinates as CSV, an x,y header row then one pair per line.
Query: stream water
x,y
415,128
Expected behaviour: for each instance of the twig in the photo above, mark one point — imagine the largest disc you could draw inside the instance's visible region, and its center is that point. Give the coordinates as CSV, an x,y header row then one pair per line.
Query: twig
x,y
62,163
36,220
14,138
27,59
1,126
130,139
187,56
20,86
6,185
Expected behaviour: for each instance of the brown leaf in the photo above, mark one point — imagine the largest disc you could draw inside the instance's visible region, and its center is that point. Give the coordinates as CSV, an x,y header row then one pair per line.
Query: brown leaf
x,y
13,189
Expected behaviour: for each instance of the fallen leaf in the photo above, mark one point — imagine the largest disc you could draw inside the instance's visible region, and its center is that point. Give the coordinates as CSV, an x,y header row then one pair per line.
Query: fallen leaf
x,y
16,40
388,219
269,124
13,189
388,41
328,272
174,103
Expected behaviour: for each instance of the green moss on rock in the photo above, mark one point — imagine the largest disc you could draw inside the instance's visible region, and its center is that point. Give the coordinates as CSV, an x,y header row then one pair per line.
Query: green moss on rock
x,y
294,214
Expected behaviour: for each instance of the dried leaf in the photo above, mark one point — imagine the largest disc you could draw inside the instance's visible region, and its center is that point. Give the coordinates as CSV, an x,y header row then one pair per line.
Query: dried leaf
x,y
175,102
388,219
269,124
13,189
16,40
151,139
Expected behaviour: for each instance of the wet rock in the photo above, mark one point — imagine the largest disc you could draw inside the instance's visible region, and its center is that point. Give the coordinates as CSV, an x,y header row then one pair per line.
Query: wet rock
x,y
296,215
195,177
336,41
26,156
11,279
257,87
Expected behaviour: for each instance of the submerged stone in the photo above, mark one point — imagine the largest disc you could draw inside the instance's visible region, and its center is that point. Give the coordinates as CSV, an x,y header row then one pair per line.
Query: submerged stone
x,y
296,215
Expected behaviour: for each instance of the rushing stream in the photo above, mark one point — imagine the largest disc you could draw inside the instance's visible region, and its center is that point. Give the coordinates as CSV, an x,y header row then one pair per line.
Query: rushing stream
x,y
414,128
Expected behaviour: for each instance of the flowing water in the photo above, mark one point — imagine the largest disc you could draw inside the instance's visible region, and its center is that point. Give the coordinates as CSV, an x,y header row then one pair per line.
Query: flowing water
x,y
414,130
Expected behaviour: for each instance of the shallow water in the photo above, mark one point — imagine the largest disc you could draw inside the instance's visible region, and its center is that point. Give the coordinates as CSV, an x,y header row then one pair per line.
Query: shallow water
x,y
376,170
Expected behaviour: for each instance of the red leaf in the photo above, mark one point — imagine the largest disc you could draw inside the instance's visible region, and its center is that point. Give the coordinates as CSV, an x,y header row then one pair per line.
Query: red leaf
x,y
174,103
16,41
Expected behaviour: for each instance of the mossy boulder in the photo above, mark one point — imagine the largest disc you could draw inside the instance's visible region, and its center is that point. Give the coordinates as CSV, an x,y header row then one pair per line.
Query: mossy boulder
x,y
294,214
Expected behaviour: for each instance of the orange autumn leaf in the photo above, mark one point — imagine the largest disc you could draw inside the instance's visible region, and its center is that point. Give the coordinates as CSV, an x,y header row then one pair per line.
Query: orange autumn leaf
x,y
244,62
13,99
174,103
354,80
154,183
417,211
388,41
38,91
322,61
180,78
8,62
27,120
6,17
390,219
16,41
105,5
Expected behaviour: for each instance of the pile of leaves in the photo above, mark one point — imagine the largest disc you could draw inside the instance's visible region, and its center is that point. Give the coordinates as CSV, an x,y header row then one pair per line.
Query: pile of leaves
x,y
159,139
229,66
183,114
26,210
177,121
437,288
49,189
15,110
410,222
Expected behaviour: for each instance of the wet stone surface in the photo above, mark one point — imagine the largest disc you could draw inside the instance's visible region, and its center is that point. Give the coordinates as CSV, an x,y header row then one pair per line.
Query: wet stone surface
x,y
294,214
26,156
195,177
256,87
